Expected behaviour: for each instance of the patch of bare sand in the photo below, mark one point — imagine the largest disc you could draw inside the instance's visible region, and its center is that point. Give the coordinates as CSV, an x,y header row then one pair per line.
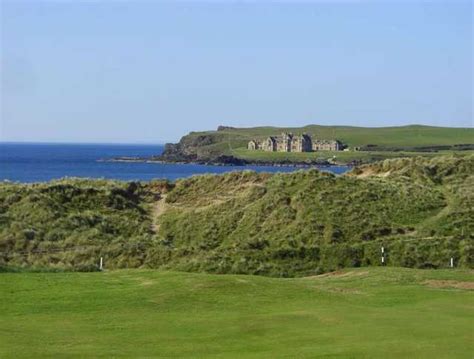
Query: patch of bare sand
x,y
339,290
449,284
159,208
372,173
141,281
339,274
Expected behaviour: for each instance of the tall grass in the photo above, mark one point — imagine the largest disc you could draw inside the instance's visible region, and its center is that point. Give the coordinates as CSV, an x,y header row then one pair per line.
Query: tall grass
x,y
306,222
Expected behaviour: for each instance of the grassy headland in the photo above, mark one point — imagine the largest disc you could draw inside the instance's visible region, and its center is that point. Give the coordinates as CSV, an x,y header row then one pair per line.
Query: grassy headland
x,y
421,210
355,313
375,144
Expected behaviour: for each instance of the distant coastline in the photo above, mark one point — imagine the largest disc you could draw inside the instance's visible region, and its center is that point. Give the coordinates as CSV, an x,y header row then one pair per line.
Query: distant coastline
x,y
350,146
228,161
37,163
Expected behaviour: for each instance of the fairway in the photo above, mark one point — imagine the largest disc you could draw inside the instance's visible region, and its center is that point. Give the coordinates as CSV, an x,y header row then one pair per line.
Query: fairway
x,y
355,313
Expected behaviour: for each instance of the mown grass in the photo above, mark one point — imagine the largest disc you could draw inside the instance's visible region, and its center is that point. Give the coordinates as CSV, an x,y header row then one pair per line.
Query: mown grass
x,y
356,313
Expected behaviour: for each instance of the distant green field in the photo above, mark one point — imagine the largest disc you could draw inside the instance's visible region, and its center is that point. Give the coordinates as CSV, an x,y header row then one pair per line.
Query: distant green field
x,y
414,135
355,313
338,156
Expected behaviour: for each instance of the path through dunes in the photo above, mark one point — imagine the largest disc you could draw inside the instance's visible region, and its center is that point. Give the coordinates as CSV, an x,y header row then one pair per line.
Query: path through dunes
x,y
159,207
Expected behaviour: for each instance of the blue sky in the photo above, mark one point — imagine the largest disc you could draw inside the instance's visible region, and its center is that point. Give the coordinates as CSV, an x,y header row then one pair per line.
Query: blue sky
x,y
151,71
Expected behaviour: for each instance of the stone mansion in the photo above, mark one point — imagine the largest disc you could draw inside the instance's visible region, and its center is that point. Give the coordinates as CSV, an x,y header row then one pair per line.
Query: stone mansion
x,y
288,142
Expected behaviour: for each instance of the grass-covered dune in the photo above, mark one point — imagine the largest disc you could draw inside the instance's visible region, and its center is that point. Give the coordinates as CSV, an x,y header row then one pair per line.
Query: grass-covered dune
x,y
420,210
69,224
354,313
377,143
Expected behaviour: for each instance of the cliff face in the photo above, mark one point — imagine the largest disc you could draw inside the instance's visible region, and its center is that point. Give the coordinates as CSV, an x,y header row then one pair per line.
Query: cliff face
x,y
189,148
178,152
205,147
175,152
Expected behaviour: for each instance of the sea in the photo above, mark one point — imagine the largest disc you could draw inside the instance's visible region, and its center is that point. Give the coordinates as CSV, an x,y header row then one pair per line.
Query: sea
x,y
40,162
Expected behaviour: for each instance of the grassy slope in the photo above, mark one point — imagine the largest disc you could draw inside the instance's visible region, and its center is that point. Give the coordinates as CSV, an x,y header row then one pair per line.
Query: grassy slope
x,y
234,141
414,135
359,313
305,222
293,224
87,216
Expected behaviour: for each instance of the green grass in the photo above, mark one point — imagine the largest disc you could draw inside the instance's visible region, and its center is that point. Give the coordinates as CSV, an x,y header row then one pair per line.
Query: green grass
x,y
282,225
413,135
341,157
309,222
358,313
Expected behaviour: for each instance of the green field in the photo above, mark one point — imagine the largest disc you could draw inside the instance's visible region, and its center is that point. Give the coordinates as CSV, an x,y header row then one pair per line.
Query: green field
x,y
354,313
413,135
383,142
341,157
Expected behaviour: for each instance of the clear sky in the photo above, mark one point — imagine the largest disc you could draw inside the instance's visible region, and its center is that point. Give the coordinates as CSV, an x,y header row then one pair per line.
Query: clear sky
x,y
151,71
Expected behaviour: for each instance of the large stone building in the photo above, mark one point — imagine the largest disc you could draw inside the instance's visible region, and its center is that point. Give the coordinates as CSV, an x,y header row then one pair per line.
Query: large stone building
x,y
288,142
324,145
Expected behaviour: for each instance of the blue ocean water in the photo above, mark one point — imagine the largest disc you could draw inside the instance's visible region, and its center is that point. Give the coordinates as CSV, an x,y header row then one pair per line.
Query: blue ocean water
x,y
43,162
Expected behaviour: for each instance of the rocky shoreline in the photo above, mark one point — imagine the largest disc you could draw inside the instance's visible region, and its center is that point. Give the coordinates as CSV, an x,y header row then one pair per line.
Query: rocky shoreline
x,y
225,161
189,151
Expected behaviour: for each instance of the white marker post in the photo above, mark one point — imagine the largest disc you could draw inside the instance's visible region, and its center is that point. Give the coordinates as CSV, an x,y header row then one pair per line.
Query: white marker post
x,y
383,256
101,263
452,262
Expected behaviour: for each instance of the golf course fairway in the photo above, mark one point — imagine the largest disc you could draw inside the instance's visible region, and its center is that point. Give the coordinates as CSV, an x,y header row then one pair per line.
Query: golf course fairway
x,y
376,312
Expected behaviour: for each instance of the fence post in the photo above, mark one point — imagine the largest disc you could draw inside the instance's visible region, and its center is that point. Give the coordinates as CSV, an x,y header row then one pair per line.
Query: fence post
x,y
101,263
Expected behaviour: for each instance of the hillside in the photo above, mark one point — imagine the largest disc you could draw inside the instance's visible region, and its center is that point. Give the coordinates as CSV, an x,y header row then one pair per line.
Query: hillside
x,y
292,224
356,313
376,143
308,222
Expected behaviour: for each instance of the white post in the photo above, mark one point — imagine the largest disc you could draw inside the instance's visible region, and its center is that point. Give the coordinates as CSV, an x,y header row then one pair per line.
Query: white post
x,y
452,262
383,260
383,256
101,263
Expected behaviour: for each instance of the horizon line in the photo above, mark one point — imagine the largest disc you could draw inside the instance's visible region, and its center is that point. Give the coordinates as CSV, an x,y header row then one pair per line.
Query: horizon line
x,y
82,143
